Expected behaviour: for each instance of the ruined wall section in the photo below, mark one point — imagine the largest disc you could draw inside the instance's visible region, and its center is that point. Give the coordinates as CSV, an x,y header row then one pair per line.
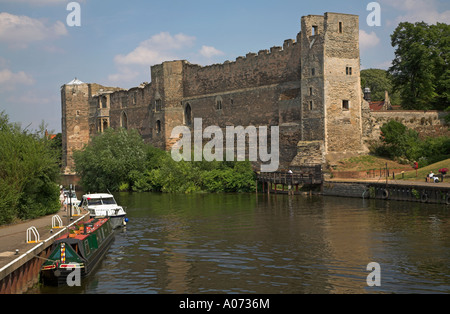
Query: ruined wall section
x,y
426,123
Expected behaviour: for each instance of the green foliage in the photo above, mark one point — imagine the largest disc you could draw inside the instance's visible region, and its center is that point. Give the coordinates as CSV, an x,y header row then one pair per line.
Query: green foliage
x,y
146,168
28,173
400,142
420,70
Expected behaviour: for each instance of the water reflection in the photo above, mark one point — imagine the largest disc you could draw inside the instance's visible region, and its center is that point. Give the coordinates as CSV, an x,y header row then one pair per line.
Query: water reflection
x,y
243,243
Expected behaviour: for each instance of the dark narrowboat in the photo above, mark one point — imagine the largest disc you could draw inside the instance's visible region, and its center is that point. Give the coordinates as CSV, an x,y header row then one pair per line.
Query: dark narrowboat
x,y
78,252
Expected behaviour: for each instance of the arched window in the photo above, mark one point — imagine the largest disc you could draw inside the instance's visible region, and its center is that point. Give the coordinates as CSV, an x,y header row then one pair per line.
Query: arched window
x,y
124,120
188,115
105,124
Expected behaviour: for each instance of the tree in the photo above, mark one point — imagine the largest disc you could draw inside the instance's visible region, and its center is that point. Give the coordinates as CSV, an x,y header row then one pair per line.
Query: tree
x,y
28,173
420,70
106,163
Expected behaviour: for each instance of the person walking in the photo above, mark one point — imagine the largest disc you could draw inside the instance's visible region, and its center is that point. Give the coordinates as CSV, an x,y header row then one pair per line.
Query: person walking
x,y
61,197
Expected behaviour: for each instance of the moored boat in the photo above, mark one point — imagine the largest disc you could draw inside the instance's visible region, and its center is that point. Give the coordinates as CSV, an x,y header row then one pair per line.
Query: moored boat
x,y
71,198
81,249
101,205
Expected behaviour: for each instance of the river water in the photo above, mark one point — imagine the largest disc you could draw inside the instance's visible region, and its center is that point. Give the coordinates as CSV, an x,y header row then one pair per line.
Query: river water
x,y
277,244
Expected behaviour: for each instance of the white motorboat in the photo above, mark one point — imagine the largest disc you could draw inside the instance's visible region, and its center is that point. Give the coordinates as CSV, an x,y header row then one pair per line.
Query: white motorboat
x,y
102,205
71,198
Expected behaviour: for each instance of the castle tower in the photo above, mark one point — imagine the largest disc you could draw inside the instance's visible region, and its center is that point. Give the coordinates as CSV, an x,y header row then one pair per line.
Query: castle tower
x,y
167,79
330,84
84,114
75,120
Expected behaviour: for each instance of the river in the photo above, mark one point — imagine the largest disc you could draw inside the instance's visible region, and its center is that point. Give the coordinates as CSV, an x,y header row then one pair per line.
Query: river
x,y
277,244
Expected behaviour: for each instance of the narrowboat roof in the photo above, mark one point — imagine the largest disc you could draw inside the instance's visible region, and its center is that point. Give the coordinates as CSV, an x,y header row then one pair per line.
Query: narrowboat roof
x,y
80,234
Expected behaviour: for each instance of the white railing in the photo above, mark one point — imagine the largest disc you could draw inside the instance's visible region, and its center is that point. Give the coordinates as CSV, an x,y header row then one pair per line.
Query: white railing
x,y
33,231
57,219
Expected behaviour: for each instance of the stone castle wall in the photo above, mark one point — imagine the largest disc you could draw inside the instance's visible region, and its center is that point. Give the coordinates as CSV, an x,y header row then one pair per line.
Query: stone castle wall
x,y
426,123
299,87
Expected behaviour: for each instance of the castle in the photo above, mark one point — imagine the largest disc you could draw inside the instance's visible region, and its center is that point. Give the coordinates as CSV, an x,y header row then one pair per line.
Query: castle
x,y
309,87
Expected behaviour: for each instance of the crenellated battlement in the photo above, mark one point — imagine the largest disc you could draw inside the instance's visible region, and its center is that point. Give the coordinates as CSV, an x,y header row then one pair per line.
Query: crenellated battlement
x,y
288,45
269,66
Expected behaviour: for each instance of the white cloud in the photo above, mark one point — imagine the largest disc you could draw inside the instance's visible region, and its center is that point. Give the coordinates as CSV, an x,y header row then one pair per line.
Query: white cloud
x,y
10,80
19,31
125,74
209,52
418,11
157,49
384,65
368,40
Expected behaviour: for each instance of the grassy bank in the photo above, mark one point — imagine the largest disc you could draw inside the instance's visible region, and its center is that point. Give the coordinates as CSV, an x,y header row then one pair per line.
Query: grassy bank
x,y
370,162
423,172
366,163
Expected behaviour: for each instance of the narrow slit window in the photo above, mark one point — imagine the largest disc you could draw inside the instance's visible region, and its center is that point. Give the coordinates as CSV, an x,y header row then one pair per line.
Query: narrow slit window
x,y
345,105
158,127
313,71
219,105
311,105
310,91
158,105
340,27
348,70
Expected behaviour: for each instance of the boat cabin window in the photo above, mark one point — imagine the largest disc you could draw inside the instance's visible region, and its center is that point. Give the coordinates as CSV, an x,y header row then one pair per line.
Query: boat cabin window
x,y
101,201
94,201
108,201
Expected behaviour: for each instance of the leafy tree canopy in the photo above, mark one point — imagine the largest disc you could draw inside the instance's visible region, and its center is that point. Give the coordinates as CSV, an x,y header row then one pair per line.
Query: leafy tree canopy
x,y
28,173
420,71
120,160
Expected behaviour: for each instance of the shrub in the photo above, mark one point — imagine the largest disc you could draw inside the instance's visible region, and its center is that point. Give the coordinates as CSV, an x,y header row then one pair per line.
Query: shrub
x,y
399,143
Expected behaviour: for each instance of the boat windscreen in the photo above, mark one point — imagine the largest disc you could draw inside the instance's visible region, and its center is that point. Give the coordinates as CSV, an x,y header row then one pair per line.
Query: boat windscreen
x,y
102,201
108,201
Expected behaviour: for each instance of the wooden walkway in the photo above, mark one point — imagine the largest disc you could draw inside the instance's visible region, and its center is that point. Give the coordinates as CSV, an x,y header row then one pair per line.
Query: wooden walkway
x,y
290,182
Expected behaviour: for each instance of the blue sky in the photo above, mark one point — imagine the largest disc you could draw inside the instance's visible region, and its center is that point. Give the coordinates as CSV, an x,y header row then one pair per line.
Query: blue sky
x,y
118,41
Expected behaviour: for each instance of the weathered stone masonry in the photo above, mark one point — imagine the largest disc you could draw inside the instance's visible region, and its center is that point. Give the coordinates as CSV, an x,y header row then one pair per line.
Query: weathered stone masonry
x,y
309,87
